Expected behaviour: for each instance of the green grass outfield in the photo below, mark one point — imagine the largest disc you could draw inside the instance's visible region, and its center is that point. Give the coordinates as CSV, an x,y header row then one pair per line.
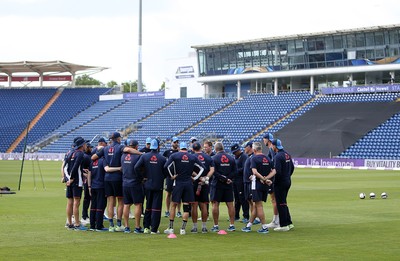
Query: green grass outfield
x,y
331,223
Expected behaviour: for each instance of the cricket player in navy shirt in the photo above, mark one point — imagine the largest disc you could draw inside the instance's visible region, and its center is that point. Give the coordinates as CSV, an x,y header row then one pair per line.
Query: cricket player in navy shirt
x,y
146,148
113,180
74,183
284,168
267,140
86,170
151,165
222,185
201,188
261,166
238,186
132,186
181,166
98,197
169,184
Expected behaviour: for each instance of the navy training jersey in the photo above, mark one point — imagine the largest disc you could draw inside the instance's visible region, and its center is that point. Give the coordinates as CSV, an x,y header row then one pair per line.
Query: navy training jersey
x,y
263,165
97,174
284,166
154,171
225,168
183,164
129,176
168,153
207,161
247,172
112,158
240,161
75,167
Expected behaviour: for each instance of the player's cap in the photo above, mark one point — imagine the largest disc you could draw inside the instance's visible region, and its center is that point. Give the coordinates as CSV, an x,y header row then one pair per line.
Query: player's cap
x,y
132,142
115,135
268,136
193,139
79,141
196,146
102,139
153,144
88,144
183,146
175,139
277,143
148,140
235,147
249,144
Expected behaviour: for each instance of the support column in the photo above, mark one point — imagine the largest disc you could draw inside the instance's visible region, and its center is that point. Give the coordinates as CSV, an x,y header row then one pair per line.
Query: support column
x,y
41,80
350,78
276,87
312,85
392,75
9,79
238,89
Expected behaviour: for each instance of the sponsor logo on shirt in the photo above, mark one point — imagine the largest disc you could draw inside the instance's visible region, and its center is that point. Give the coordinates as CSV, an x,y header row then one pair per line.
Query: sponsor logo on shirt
x,y
185,158
225,161
153,159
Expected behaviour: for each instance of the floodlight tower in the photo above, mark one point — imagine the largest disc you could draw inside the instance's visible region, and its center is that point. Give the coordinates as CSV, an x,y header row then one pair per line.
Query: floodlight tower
x,y
139,82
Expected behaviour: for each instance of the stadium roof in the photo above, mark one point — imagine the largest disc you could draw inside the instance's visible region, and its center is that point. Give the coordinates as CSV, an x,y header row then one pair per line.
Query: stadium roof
x,y
298,36
48,67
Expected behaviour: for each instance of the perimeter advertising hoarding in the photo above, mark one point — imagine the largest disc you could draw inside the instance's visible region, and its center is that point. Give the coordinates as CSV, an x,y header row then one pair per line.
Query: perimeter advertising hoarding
x,y
137,95
362,89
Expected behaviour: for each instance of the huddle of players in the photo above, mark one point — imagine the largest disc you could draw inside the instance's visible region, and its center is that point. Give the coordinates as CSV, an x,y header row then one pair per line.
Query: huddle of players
x,y
122,173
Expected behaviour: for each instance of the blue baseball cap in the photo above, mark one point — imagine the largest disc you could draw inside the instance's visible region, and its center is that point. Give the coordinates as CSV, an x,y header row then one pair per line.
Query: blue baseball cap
x,y
153,144
268,136
183,146
249,144
115,135
148,140
235,147
175,139
102,139
277,143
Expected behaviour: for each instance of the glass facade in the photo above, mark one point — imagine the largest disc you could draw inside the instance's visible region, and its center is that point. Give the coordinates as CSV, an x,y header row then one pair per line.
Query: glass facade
x,y
333,49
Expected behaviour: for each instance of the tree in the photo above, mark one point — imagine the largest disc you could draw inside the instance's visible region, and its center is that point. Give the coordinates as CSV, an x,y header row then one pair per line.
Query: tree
x,y
112,84
131,86
162,88
86,80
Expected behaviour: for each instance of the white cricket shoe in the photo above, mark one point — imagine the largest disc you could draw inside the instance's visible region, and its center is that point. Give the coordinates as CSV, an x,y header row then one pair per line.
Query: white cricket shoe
x,y
282,229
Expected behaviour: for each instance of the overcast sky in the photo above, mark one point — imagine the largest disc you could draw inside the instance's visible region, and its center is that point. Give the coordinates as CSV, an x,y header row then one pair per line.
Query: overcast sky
x,y
105,33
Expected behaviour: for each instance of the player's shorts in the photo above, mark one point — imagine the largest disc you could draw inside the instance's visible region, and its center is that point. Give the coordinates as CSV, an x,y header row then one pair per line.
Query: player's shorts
x,y
133,195
204,192
248,194
260,194
169,184
221,195
74,191
183,192
113,188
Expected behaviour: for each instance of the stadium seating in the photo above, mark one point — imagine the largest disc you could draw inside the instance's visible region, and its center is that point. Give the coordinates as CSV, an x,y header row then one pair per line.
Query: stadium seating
x,y
68,105
226,119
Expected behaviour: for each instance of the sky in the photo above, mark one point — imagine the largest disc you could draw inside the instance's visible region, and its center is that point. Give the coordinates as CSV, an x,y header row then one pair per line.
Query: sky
x,y
105,33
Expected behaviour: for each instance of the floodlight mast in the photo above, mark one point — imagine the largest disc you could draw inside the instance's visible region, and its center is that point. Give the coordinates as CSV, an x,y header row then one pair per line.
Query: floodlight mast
x,y
139,83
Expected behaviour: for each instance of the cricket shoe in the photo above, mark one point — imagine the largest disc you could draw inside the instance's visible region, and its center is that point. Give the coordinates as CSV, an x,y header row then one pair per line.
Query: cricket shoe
x,y
146,231
291,226
231,228
120,229
155,233
111,229
273,225
127,230
263,230
80,228
179,214
138,230
194,230
169,231
204,230
182,232
85,221
246,229
215,229
282,229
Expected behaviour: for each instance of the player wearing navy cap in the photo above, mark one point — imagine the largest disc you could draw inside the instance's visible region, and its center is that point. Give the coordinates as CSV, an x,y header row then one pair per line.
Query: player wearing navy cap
x,y
284,168
238,186
113,180
222,185
267,139
132,186
181,166
86,170
74,183
201,188
152,164
169,184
